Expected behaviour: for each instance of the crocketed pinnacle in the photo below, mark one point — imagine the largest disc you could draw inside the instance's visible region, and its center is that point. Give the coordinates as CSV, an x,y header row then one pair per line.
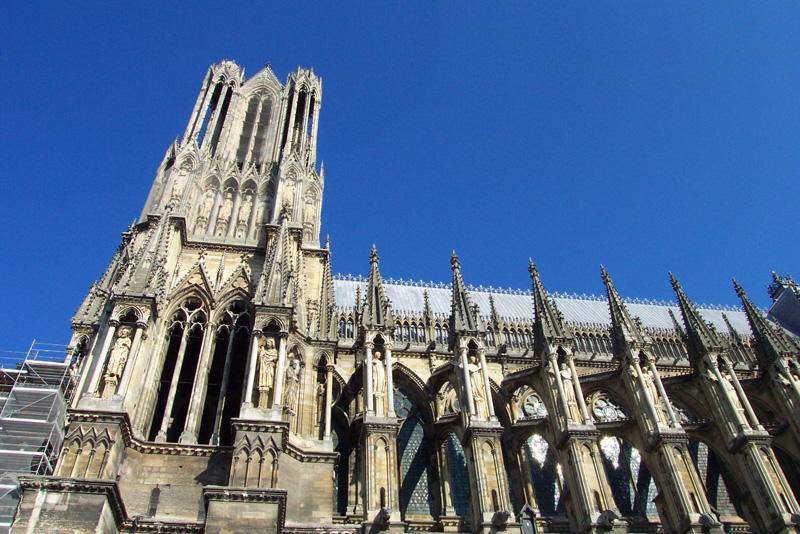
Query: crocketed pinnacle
x,y
549,326
626,332
465,318
771,344
377,313
702,338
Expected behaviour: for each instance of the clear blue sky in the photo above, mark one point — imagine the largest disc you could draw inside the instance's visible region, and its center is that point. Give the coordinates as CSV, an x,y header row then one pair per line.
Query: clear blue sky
x,y
645,136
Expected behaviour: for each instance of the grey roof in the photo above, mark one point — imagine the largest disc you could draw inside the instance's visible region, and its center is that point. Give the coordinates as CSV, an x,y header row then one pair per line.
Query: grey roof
x,y
517,305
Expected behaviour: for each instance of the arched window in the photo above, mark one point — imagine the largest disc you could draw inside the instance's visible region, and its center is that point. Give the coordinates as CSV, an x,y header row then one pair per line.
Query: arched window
x,y
398,331
413,332
406,335
714,478
630,480
445,336
459,476
349,329
438,331
342,328
490,337
545,475
415,469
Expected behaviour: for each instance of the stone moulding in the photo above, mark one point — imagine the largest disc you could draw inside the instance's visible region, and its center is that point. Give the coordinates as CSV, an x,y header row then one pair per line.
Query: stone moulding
x,y
122,420
77,485
230,494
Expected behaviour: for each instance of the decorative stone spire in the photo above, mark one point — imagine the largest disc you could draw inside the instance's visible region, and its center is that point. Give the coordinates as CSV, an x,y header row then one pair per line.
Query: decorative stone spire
x,y
771,344
549,326
377,309
464,316
702,338
275,285
327,326
627,333
495,317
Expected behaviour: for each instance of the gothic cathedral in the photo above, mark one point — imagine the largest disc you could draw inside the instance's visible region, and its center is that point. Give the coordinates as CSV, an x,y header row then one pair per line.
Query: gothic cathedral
x,y
225,380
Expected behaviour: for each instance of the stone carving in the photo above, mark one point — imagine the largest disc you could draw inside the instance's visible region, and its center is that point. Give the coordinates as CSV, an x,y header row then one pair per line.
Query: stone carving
x,y
478,388
379,384
569,394
119,354
224,215
244,216
206,205
179,185
292,385
447,400
267,356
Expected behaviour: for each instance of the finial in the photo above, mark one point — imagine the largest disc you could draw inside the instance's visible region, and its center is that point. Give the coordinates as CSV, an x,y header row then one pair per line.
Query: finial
x,y
374,259
454,263
532,269
738,288
284,212
268,63
674,281
605,275
328,241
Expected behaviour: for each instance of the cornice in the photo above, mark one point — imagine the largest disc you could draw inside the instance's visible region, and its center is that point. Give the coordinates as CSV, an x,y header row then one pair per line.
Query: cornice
x,y
122,420
108,488
257,495
311,457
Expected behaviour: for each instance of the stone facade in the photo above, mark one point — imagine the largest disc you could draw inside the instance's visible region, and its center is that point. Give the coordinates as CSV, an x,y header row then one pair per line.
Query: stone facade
x,y
230,383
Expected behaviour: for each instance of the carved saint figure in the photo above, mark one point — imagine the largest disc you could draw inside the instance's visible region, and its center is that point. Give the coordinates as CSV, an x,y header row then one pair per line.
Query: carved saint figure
x,y
478,387
378,384
179,185
205,212
652,390
292,384
244,216
569,393
734,396
267,356
224,214
119,354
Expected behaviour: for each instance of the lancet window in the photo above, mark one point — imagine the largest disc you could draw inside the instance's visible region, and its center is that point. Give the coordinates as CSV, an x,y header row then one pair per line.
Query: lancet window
x,y
415,470
631,482
712,474
455,476
255,129
226,375
184,342
545,475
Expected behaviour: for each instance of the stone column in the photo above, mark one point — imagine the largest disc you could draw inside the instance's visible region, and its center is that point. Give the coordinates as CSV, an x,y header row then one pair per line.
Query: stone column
x,y
657,379
226,373
252,361
197,402
173,386
94,384
328,401
727,395
487,384
387,349
132,358
233,221
466,381
578,392
651,407
212,217
280,371
368,385
562,399
742,397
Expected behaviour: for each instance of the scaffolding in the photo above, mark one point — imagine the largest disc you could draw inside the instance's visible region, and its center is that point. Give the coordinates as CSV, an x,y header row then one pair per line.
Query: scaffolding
x,y
34,395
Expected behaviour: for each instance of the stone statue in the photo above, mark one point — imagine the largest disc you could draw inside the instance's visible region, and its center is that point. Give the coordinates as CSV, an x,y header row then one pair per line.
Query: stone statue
x,y
734,396
244,216
205,212
379,384
650,383
224,214
119,354
267,356
569,394
292,384
179,185
478,387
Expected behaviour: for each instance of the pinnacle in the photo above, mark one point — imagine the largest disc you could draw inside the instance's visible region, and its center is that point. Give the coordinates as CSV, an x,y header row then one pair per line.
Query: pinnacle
x,y
373,256
739,290
674,281
532,269
605,275
455,264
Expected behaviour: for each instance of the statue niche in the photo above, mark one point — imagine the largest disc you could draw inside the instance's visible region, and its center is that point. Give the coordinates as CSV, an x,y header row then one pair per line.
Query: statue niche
x,y
379,385
267,356
224,215
116,362
244,216
206,205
